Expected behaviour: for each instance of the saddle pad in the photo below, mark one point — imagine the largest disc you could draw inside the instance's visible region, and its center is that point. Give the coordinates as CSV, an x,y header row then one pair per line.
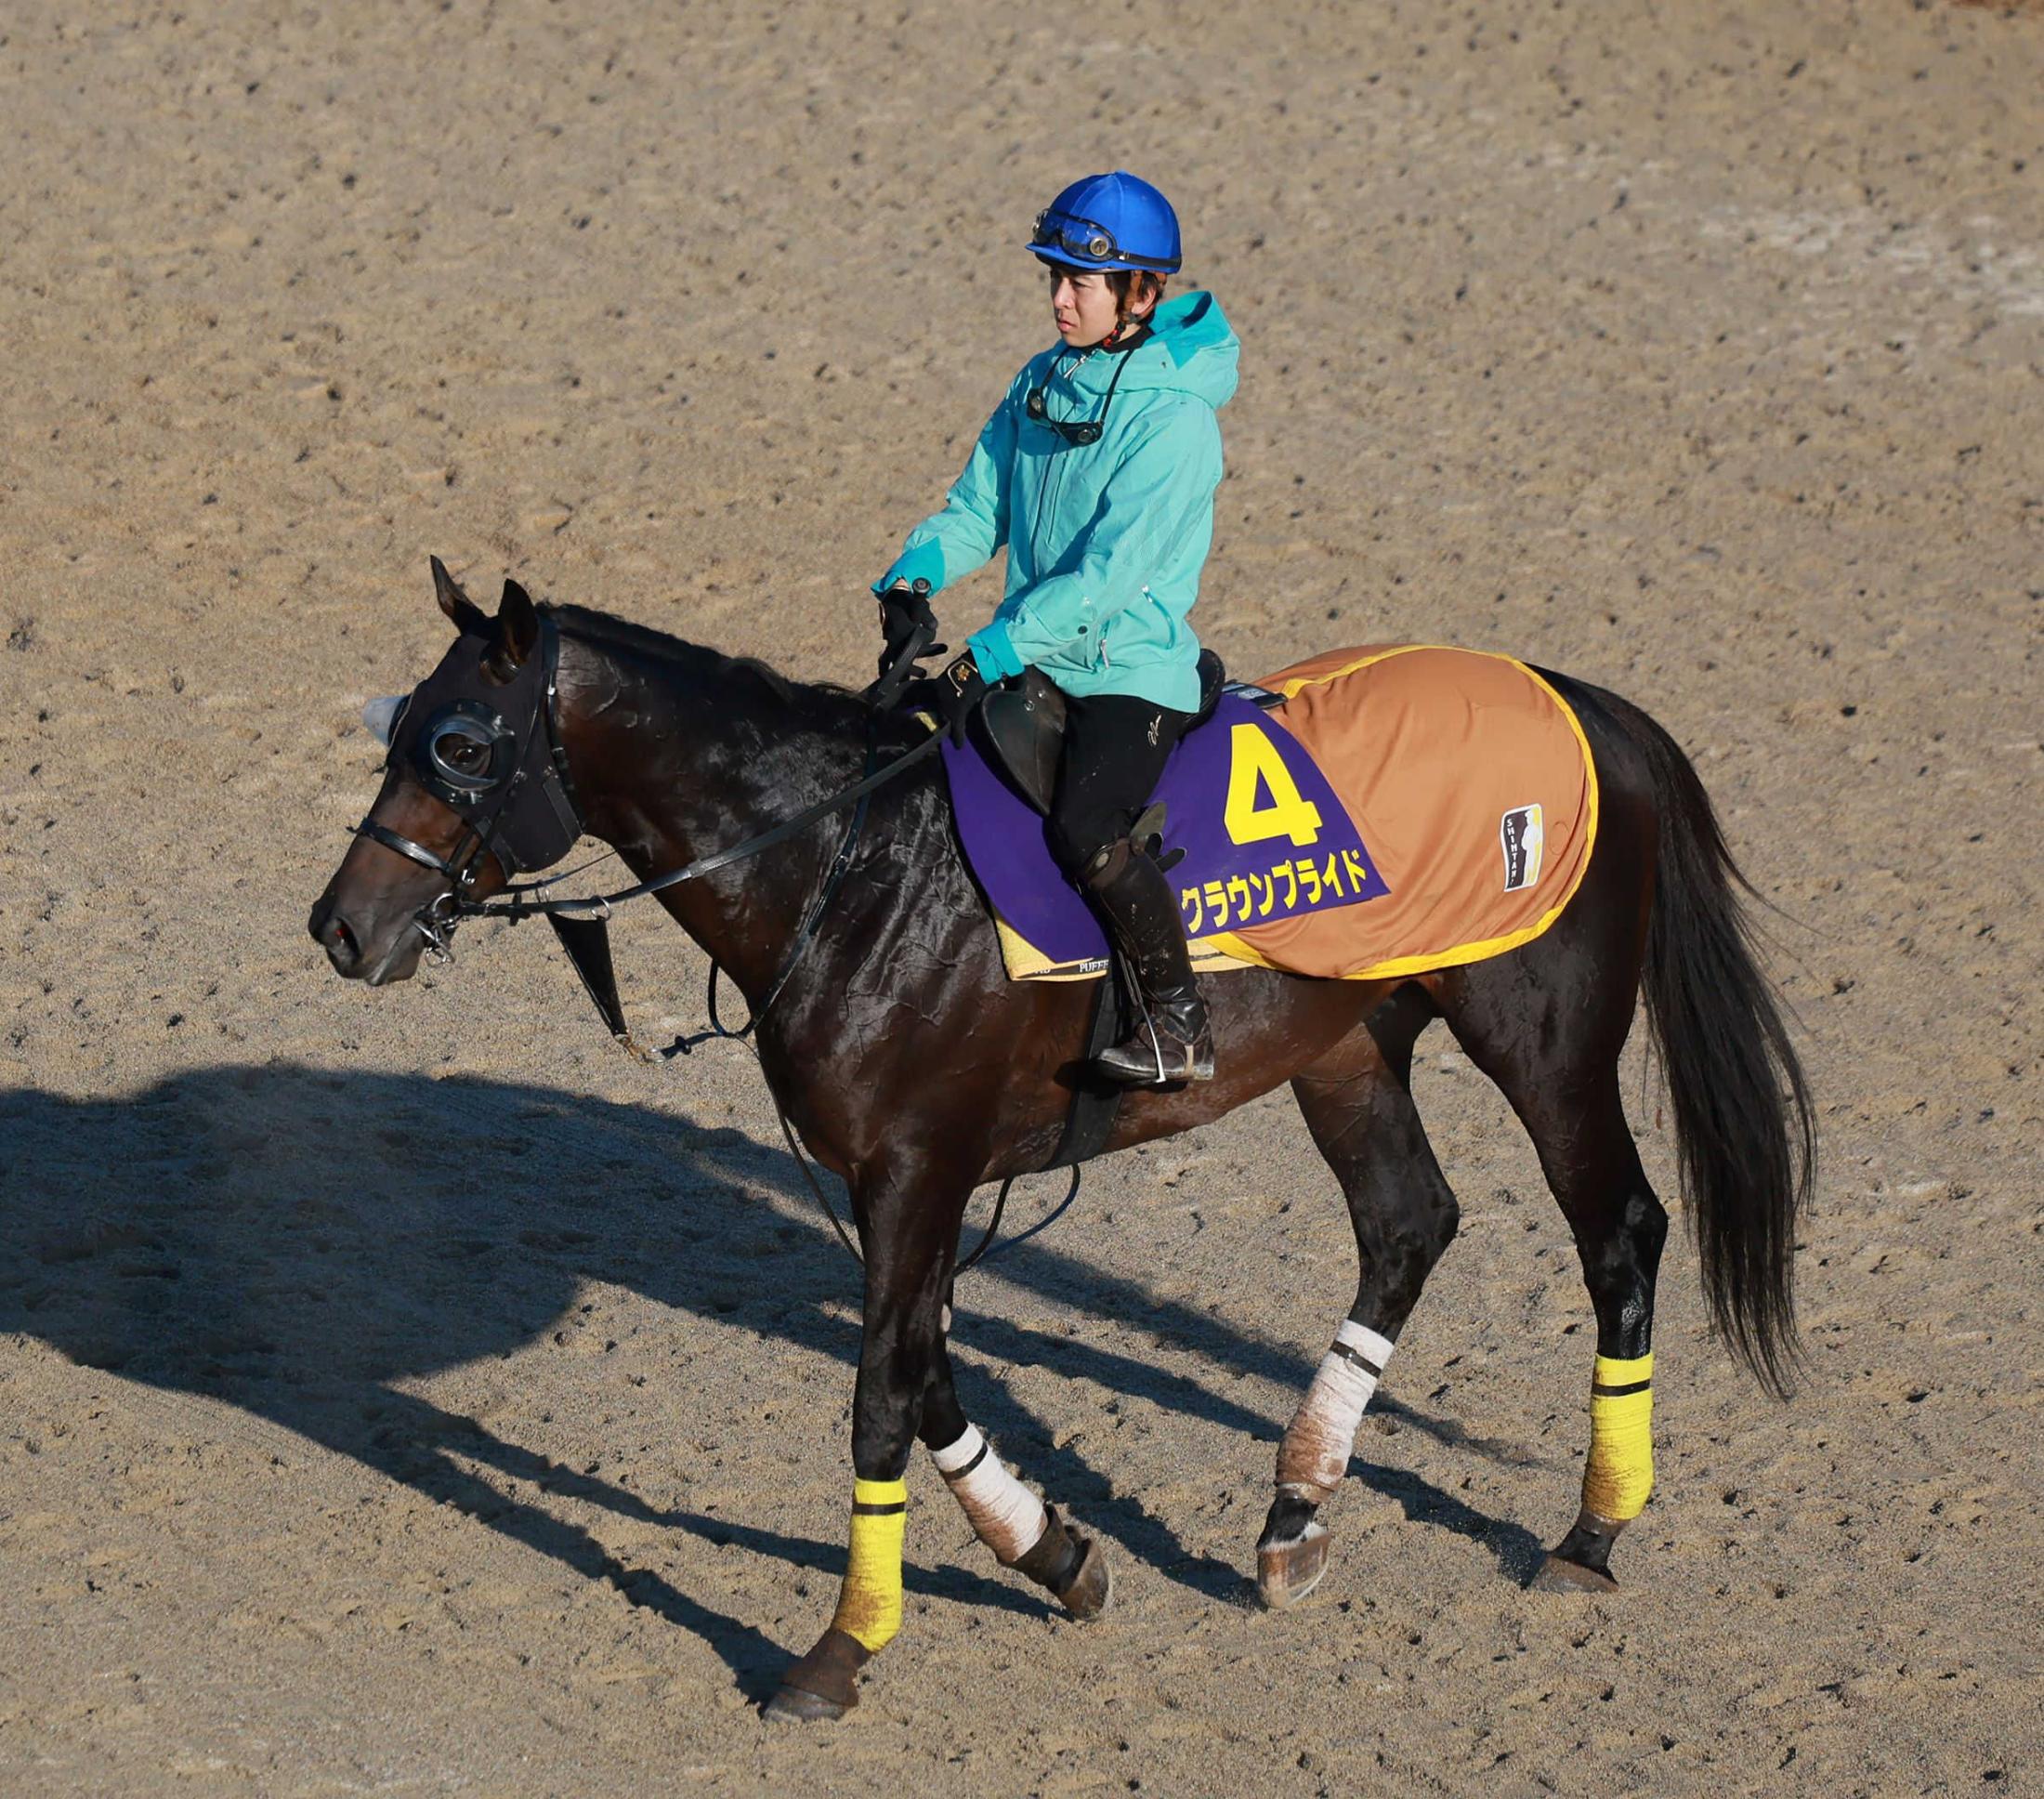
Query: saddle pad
x,y
1401,809
1256,820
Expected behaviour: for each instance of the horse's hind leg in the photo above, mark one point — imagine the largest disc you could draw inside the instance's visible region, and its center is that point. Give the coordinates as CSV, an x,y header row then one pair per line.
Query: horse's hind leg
x,y
1359,1106
1557,1065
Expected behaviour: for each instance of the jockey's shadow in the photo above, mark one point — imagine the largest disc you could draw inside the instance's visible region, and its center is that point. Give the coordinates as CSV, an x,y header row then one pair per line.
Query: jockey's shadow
x,y
293,1241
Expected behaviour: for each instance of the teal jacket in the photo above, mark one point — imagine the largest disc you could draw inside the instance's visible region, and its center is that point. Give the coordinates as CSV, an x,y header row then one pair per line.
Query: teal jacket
x,y
1105,540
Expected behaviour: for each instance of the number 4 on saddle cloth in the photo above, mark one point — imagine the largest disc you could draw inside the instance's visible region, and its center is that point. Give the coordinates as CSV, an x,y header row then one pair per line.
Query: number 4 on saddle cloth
x,y
1368,814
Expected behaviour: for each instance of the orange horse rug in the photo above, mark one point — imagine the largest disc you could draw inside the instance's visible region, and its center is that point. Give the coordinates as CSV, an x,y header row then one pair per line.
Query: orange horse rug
x,y
1369,814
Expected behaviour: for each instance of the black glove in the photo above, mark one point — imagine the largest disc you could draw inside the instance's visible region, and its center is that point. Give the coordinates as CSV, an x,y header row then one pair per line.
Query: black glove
x,y
908,628
960,690
903,612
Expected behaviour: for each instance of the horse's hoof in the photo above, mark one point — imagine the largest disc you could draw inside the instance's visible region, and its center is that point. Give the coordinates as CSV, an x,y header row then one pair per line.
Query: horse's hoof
x,y
793,1705
1086,1589
1557,1575
1286,1572
1092,1587
824,1684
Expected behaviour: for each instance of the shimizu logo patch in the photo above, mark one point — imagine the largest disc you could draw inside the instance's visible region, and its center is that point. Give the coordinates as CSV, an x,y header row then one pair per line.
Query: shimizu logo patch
x,y
1524,839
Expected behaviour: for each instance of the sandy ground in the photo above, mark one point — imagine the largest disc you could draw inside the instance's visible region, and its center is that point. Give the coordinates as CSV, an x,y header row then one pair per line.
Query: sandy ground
x,y
403,1392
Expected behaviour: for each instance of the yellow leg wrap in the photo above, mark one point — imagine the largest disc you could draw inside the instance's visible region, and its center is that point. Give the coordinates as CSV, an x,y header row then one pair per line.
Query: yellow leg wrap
x,y
1620,1471
869,1605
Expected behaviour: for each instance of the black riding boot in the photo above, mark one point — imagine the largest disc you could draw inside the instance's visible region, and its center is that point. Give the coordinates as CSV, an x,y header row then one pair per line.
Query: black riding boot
x,y
1171,1042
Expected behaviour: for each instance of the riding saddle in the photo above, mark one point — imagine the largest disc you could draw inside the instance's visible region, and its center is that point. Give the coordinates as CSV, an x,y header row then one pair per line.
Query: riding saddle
x,y
1022,727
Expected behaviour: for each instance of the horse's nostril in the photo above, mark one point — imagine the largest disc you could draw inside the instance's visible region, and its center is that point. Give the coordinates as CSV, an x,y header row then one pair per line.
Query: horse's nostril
x,y
334,936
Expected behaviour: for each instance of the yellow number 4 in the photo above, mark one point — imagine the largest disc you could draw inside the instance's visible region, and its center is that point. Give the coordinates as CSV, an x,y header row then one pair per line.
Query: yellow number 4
x,y
1255,769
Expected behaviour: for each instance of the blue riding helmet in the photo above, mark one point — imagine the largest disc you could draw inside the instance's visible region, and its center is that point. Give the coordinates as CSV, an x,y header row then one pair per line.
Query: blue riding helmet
x,y
1109,221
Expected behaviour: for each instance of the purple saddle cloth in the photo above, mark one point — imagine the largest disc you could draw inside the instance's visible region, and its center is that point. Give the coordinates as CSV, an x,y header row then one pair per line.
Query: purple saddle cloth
x,y
1241,798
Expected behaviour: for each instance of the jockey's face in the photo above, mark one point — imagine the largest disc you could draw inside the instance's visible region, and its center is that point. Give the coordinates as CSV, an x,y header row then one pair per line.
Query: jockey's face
x,y
1083,304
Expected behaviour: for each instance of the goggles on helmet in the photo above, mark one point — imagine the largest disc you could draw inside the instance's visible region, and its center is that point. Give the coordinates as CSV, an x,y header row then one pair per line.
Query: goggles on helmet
x,y
1083,238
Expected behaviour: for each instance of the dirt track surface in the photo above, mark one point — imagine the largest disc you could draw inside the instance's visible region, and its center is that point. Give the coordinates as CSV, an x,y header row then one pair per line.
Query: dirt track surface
x,y
403,1392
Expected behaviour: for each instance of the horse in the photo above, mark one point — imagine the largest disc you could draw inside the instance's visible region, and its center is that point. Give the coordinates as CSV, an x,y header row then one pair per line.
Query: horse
x,y
915,1071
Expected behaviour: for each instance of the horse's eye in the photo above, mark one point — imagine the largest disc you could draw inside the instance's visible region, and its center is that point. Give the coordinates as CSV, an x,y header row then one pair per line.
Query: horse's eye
x,y
461,751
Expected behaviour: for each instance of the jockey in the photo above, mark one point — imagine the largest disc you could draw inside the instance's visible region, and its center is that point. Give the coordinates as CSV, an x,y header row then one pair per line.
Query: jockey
x,y
1097,473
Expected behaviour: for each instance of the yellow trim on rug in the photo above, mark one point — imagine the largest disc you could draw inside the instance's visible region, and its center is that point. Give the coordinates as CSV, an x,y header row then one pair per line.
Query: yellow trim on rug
x,y
1238,953
1458,955
1222,951
1292,689
1023,961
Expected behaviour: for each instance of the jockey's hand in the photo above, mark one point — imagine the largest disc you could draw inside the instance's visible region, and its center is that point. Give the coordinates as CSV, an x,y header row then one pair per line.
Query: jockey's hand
x,y
907,626
960,690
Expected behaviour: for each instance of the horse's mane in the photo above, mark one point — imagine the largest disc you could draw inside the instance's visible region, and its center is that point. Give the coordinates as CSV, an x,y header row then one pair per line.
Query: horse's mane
x,y
822,704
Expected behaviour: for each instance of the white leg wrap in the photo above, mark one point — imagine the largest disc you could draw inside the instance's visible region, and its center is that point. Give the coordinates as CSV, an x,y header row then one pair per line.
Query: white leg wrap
x,y
1004,1514
1313,1459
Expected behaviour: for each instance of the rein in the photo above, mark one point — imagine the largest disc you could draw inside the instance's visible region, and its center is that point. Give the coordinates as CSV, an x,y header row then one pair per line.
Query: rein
x,y
513,904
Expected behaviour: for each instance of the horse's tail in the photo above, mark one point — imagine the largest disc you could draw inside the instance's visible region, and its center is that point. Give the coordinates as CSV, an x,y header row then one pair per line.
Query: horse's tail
x,y
1746,1148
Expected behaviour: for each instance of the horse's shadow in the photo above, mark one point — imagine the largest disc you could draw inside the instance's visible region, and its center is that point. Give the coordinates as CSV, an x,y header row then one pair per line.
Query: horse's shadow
x,y
293,1241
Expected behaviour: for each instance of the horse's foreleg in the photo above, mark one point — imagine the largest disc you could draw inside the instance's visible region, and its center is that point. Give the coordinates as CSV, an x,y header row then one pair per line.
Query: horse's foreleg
x,y
1023,1532
1403,1214
910,1243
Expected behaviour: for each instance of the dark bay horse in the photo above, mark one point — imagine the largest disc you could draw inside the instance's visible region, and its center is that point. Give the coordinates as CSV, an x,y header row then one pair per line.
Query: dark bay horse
x,y
916,1071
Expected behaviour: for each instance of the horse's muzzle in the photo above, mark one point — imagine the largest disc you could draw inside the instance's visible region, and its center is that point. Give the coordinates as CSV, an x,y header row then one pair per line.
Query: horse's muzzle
x,y
364,950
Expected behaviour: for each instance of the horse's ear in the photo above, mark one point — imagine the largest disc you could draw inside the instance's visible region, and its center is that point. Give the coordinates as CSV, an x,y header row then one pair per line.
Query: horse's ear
x,y
517,627
466,614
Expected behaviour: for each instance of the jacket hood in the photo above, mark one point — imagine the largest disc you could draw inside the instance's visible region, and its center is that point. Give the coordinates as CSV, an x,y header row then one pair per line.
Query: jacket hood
x,y
1191,348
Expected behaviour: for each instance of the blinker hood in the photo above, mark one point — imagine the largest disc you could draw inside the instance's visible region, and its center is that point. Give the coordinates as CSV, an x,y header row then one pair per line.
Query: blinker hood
x,y
516,797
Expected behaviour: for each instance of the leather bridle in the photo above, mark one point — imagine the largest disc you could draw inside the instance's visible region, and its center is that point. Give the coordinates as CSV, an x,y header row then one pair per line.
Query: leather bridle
x,y
519,807
535,820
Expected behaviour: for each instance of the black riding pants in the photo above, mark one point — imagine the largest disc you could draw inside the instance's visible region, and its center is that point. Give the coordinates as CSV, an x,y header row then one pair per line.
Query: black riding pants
x,y
1116,746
